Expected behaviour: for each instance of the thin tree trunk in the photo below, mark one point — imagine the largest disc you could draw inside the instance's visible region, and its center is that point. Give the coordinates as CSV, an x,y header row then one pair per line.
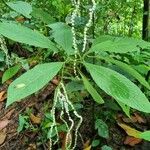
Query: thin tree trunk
x,y
146,26
146,22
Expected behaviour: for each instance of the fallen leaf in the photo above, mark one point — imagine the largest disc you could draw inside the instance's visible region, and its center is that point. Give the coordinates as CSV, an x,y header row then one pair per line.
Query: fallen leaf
x,y
55,81
2,137
139,118
88,148
32,147
4,123
86,145
132,141
130,131
130,120
2,96
35,119
20,19
8,114
62,135
9,81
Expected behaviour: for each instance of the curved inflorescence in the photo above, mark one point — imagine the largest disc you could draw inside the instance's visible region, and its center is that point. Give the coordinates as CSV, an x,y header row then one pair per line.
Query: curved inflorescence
x,y
62,97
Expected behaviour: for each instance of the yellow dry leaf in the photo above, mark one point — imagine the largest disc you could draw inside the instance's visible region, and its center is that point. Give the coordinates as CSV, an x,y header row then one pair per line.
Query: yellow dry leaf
x,y
2,137
130,131
2,93
87,145
88,148
35,119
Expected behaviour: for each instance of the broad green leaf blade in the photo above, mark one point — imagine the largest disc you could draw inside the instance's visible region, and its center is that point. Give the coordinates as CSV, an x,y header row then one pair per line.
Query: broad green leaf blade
x,y
102,128
25,35
42,16
92,90
9,73
118,44
32,81
63,36
131,71
21,7
119,87
145,135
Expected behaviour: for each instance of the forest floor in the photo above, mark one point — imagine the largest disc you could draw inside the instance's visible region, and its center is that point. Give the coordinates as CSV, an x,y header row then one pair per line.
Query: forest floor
x,y
28,139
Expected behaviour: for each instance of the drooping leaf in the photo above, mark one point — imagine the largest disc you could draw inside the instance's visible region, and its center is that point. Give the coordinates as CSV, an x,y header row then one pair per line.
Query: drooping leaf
x,y
102,128
145,135
21,7
118,44
127,68
9,73
25,35
32,81
63,36
125,108
129,130
119,87
132,141
95,95
42,15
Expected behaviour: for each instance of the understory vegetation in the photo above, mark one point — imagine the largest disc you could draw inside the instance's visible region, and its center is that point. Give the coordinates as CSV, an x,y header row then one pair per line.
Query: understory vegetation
x,y
75,75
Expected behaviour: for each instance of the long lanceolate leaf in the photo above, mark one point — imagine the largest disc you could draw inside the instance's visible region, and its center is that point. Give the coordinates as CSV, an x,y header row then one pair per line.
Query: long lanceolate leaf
x,y
119,87
95,95
21,7
127,68
118,44
25,35
32,81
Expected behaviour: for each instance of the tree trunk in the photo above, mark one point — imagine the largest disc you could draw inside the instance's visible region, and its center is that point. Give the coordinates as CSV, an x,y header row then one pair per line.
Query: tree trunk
x,y
146,18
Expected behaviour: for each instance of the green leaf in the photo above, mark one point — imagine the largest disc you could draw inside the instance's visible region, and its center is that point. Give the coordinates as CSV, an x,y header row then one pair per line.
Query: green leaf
x,y
25,35
95,143
21,7
145,135
105,147
9,73
131,71
119,87
102,128
63,36
92,90
22,122
125,108
42,15
32,81
118,44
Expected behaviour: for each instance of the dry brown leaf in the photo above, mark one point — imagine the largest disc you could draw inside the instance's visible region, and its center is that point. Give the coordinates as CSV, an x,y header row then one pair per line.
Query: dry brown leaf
x,y
139,118
20,19
2,137
8,114
132,141
130,120
35,119
2,96
130,131
55,81
9,81
4,123
86,144
62,136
